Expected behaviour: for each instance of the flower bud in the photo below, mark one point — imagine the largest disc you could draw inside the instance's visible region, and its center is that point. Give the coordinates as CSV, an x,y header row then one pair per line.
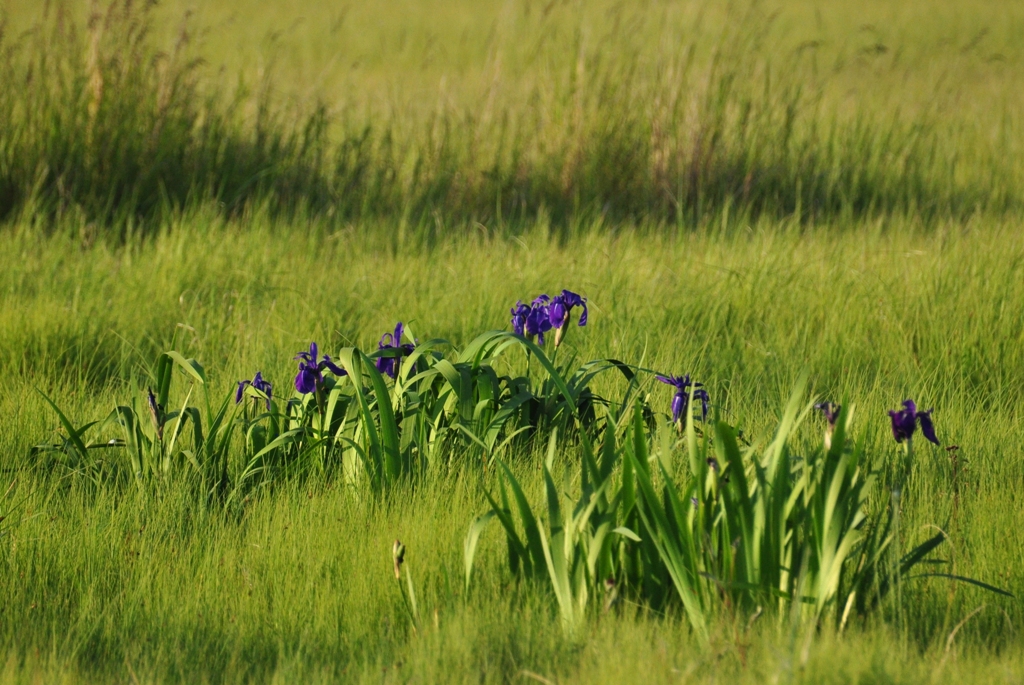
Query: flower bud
x,y
398,555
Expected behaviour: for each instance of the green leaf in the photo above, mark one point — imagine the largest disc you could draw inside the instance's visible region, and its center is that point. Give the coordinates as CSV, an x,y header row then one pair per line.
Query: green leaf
x,y
391,441
190,366
531,528
920,552
472,538
671,549
963,579
626,532
73,435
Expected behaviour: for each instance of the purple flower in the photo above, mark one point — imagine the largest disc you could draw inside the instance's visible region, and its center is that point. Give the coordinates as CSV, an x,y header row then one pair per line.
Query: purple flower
x,y
559,310
533,320
681,399
519,314
927,427
388,341
906,420
258,383
831,412
154,408
156,411
538,321
310,377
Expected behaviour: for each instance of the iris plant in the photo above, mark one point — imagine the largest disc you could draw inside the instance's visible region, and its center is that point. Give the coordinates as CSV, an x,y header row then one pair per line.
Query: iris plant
x,y
388,341
559,310
258,383
544,313
310,377
905,421
681,401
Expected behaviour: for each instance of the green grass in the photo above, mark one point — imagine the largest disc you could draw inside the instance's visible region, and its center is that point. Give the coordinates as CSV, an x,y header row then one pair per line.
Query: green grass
x,y
742,192
449,114
101,584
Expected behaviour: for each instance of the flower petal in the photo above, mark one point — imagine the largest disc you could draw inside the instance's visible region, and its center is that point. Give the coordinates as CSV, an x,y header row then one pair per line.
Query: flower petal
x,y
927,427
240,391
704,398
679,402
386,365
558,314
910,408
334,368
305,380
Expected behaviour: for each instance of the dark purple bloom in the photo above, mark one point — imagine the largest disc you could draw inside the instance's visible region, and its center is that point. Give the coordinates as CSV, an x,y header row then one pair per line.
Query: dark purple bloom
x,y
154,408
533,320
538,321
257,382
681,399
157,412
519,314
388,341
905,421
310,377
927,427
830,410
560,308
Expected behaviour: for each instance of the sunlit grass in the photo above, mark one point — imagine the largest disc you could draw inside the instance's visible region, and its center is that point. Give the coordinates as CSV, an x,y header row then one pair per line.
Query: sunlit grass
x,y
876,314
446,117
743,192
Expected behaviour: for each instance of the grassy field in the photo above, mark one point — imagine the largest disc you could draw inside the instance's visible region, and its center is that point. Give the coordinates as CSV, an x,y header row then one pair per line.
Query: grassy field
x,y
448,114
741,194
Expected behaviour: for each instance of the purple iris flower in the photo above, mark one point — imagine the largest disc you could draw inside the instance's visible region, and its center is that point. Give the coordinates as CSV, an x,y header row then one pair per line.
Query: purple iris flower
x,y
389,365
519,314
538,321
257,382
157,412
533,320
681,399
559,310
831,412
310,377
907,419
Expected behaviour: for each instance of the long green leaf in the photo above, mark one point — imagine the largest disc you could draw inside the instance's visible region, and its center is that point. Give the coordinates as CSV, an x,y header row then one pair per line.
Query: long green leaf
x,y
964,579
472,538
73,434
190,366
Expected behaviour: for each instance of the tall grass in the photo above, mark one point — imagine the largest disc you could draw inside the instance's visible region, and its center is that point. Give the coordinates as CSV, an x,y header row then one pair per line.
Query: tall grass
x,y
770,213
108,127
102,126
905,312
100,589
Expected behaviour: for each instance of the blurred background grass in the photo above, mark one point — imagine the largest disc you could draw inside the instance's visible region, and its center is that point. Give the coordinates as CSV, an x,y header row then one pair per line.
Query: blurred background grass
x,y
444,114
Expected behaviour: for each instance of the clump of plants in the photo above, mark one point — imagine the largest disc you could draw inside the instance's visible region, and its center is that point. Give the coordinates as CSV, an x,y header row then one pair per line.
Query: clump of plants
x,y
679,511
